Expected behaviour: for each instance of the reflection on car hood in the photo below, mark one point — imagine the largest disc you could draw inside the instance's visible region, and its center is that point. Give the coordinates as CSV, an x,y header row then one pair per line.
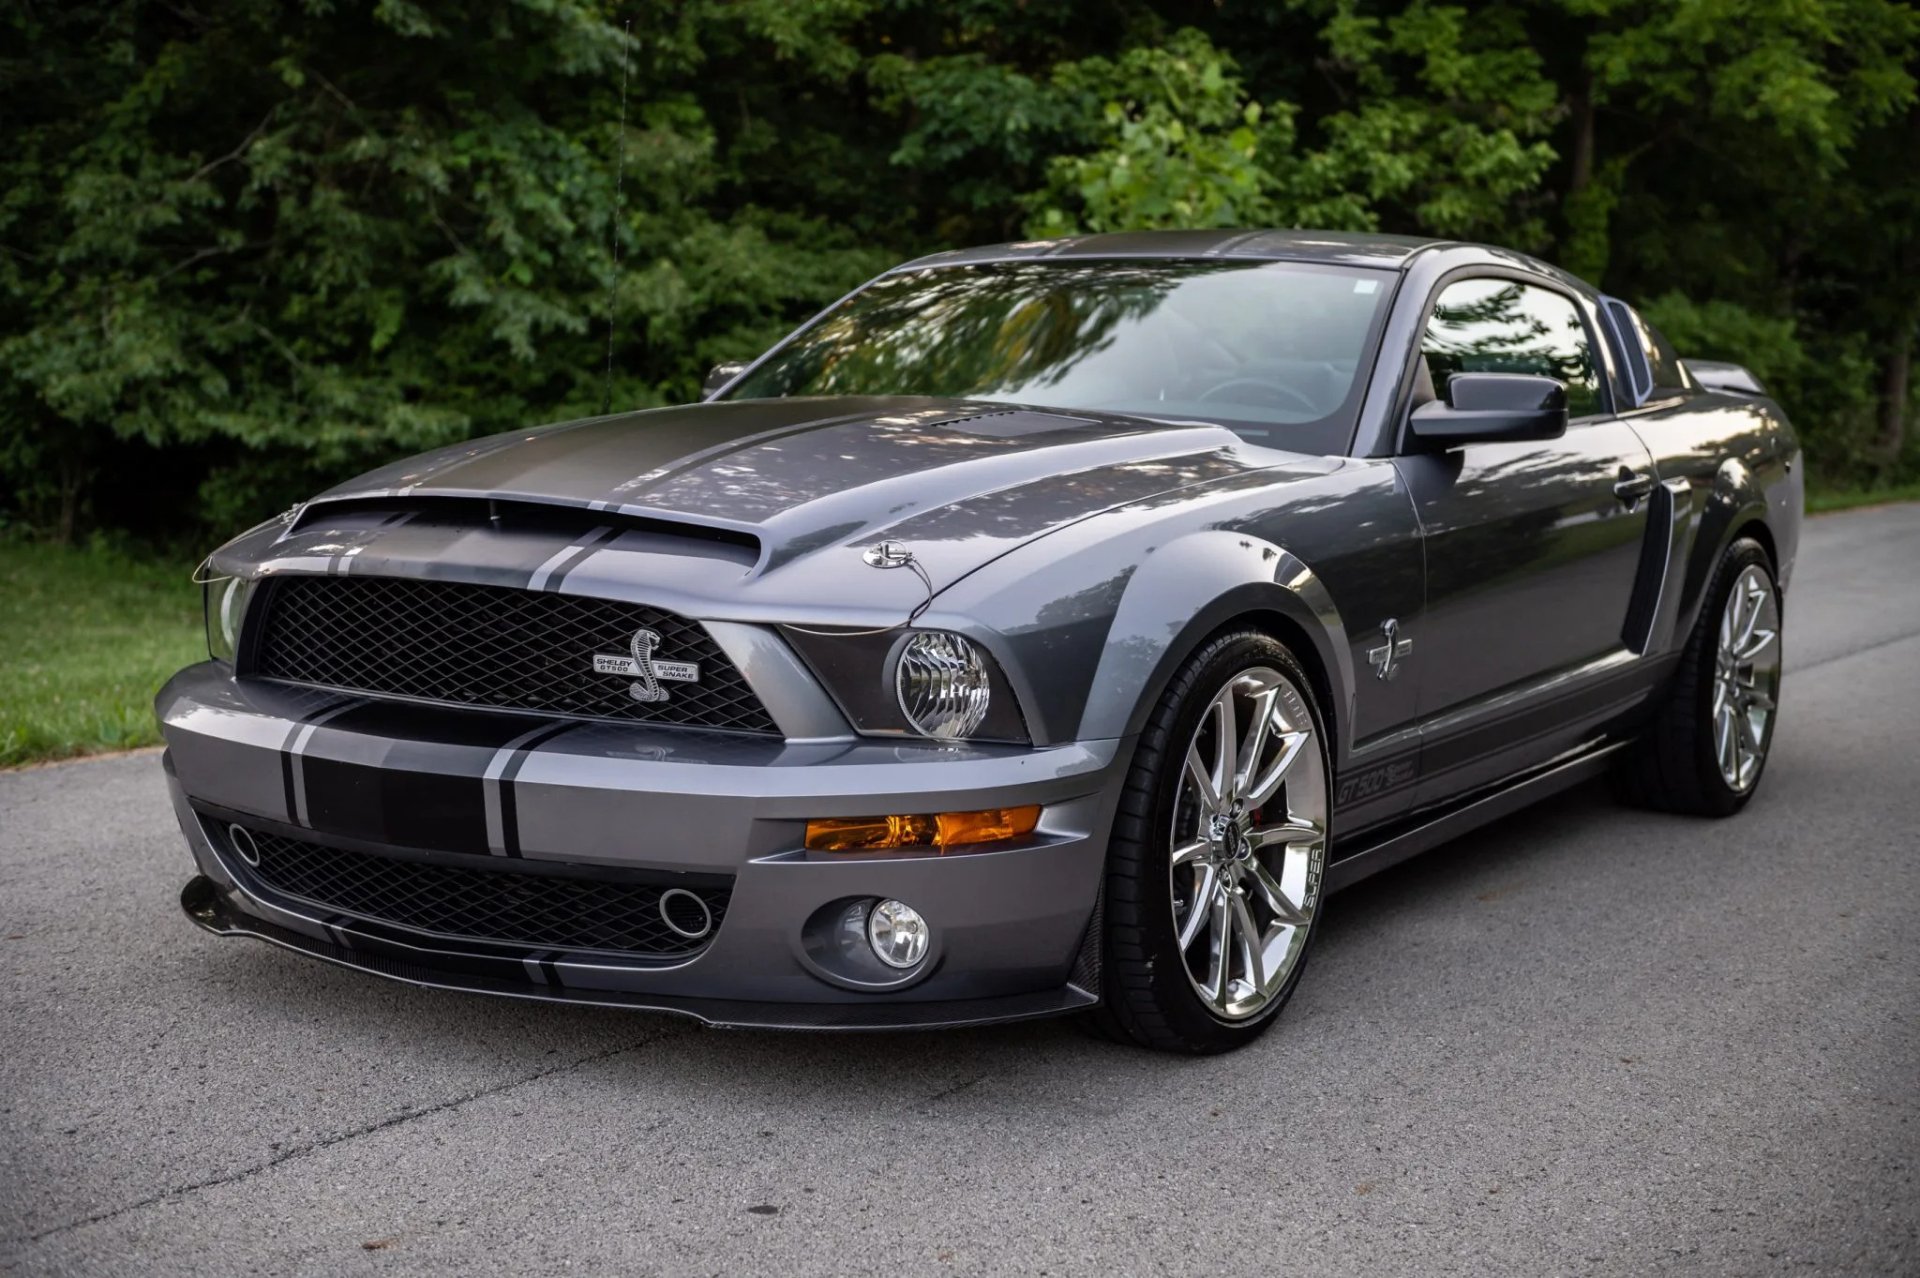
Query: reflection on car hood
x,y
806,475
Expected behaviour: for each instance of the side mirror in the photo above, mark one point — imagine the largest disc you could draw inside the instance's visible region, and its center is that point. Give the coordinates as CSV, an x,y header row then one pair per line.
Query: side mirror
x,y
720,375
1487,407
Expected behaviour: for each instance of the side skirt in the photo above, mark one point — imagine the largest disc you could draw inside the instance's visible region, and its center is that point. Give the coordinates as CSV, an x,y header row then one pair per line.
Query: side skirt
x,y
1429,829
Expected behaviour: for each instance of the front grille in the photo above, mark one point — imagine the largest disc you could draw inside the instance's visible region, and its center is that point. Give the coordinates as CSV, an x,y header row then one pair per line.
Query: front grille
x,y
542,911
492,647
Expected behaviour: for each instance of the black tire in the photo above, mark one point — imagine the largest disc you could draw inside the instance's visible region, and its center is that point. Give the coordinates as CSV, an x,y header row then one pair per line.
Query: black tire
x,y
1147,998
1673,767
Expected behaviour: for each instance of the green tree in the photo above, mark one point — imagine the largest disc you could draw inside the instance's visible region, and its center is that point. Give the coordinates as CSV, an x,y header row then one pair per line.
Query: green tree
x,y
1172,141
250,247
305,239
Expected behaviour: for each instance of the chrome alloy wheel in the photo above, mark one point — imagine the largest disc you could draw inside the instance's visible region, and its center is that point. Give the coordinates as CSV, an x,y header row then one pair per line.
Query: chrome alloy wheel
x,y
1249,843
1746,677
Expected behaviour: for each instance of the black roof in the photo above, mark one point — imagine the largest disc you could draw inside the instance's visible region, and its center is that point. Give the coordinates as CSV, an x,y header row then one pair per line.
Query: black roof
x,y
1349,248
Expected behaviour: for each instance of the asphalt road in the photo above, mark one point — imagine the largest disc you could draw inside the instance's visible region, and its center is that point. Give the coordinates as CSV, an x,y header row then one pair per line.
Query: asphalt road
x,y
1583,1040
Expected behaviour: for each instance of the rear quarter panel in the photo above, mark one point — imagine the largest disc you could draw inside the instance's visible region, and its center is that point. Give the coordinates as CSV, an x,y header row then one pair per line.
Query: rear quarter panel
x,y
1744,474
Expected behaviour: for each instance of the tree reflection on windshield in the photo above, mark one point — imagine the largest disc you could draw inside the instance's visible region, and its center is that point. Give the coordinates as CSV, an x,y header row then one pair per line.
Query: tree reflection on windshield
x,y
1259,344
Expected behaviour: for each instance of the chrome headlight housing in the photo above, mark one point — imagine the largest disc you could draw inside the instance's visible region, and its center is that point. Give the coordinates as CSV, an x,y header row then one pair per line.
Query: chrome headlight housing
x,y
224,600
905,683
942,682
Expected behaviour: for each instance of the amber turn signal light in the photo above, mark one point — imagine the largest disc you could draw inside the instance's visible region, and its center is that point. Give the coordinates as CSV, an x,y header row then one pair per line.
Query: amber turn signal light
x,y
924,830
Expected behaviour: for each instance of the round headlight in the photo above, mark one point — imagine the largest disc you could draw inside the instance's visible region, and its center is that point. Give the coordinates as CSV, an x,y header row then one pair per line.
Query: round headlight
x,y
232,603
226,606
943,684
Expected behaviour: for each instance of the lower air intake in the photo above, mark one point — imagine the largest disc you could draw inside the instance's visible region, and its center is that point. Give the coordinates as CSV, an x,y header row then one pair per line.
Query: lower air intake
x,y
538,911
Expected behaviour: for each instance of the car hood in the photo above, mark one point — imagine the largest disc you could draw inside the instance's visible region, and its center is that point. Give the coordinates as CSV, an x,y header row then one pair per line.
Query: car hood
x,y
961,482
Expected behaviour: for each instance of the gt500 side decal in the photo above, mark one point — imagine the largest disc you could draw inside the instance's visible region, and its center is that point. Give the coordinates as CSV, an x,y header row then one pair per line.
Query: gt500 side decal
x,y
1373,782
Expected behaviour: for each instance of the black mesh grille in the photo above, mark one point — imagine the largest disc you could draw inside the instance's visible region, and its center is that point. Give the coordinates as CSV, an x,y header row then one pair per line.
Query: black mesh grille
x,y
493,647
534,910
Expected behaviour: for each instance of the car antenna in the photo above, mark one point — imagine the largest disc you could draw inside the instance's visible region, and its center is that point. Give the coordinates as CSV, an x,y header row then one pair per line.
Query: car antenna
x,y
619,183
885,555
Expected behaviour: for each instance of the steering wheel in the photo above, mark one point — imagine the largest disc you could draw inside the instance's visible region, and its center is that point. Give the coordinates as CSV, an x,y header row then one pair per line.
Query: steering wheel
x,y
1260,383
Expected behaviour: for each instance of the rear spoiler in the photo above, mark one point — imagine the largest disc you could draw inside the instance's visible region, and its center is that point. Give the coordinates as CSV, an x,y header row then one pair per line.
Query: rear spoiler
x,y
1728,379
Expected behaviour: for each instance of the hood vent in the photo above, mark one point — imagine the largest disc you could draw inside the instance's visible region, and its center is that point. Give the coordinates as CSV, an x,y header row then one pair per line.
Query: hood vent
x,y
1018,423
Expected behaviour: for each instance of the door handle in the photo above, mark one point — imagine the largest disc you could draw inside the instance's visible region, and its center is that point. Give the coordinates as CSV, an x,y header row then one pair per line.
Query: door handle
x,y
1630,488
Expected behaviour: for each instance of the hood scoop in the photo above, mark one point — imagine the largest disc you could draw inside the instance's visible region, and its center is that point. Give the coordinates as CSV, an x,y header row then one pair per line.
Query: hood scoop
x,y
570,523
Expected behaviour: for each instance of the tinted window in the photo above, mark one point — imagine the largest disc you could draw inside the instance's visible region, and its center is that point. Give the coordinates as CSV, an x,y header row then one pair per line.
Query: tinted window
x,y
1273,349
1502,326
1668,372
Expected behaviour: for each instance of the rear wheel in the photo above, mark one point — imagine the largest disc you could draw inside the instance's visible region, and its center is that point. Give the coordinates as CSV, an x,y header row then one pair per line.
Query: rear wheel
x,y
1708,744
1214,873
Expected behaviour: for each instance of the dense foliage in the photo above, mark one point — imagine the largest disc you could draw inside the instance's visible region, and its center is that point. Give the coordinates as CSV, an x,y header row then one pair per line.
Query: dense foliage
x,y
251,245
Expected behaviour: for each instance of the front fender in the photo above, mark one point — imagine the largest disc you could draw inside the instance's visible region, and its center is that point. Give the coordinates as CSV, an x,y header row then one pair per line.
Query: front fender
x,y
1090,636
1186,590
1092,621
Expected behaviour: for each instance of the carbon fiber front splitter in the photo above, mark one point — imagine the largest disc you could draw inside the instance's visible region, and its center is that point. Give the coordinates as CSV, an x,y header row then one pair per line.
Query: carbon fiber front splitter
x,y
206,903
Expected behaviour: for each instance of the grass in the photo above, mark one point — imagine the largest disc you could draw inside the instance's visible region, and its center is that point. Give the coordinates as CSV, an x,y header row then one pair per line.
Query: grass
x,y
1822,500
87,636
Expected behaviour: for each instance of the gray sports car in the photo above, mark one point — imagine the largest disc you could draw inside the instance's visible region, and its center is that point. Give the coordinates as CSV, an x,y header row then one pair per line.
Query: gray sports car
x,y
1043,628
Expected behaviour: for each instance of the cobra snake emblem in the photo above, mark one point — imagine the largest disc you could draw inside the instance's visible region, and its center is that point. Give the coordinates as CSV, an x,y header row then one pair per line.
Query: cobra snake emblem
x,y
646,686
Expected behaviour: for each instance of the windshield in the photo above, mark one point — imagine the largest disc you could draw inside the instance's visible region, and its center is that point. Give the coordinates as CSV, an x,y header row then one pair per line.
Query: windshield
x,y
1272,349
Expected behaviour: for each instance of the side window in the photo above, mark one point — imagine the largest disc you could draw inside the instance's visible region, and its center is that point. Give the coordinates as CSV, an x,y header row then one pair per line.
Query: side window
x,y
1502,326
1669,374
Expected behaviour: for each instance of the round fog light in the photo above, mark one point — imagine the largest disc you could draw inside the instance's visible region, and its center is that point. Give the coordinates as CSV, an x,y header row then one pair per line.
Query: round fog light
x,y
897,933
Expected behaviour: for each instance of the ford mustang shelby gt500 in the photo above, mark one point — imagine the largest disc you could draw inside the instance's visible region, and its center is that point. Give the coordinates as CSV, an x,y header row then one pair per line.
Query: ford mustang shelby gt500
x,y
1042,628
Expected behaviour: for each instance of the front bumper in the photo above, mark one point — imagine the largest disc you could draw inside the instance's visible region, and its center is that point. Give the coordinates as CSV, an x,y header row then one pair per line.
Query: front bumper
x,y
1014,932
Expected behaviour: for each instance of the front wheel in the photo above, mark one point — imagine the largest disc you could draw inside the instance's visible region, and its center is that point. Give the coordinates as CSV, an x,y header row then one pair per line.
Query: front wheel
x,y
1214,873
1707,746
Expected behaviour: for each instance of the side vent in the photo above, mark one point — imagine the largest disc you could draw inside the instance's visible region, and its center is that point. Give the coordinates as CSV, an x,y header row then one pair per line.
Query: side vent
x,y
1650,579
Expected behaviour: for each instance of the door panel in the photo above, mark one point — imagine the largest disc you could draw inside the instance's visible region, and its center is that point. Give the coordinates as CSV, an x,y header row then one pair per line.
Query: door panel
x,y
1531,565
1531,558
1531,553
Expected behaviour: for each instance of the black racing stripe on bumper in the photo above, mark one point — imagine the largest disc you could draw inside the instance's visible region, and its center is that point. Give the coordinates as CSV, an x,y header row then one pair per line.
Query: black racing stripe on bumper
x,y
385,802
214,820
286,775
509,808
381,804
290,771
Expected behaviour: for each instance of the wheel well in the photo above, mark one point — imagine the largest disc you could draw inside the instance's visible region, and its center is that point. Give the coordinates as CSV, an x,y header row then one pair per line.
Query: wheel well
x,y
1758,530
1300,644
